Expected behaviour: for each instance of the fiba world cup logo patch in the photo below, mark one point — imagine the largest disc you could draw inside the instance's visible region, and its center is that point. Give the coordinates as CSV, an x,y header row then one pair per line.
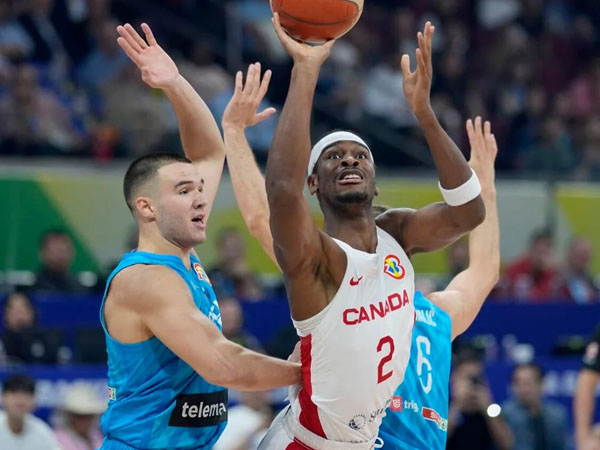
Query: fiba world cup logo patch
x,y
393,268
201,273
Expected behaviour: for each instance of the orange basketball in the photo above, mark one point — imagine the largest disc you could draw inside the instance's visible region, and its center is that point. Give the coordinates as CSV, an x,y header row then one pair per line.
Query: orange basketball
x,y
317,21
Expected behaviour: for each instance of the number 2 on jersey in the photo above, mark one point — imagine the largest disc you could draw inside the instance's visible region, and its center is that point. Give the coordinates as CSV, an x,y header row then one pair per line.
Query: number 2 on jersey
x,y
381,377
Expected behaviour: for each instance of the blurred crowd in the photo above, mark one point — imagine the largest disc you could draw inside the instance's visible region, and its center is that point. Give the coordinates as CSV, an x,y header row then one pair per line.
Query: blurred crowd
x,y
530,66
538,275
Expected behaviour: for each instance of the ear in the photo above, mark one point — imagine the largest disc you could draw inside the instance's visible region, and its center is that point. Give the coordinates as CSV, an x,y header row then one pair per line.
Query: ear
x,y
313,184
145,208
376,191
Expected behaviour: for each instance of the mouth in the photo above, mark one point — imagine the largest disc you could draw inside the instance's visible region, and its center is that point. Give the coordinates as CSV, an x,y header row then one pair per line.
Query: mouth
x,y
198,221
351,176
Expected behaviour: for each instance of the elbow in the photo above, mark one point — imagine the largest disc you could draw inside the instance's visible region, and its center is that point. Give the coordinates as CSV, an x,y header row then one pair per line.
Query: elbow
x,y
257,223
470,216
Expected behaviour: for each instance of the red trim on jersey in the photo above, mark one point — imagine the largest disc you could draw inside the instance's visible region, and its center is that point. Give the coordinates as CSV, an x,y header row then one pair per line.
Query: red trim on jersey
x,y
309,415
297,445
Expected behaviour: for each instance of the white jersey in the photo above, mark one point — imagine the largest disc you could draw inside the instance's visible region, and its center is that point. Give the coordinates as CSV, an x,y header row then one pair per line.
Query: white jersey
x,y
354,352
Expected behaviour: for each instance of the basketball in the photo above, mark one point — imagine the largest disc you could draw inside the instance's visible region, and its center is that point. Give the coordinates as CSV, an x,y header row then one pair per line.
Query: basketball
x,y
317,21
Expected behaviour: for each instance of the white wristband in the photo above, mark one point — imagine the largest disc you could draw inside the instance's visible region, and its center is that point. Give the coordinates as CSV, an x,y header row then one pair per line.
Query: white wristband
x,y
462,194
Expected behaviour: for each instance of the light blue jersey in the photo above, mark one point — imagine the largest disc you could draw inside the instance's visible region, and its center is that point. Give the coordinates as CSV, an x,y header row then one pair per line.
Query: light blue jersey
x,y
418,416
156,400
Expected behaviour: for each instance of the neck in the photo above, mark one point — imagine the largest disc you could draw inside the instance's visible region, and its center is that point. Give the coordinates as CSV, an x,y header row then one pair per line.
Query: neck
x,y
355,226
162,246
15,424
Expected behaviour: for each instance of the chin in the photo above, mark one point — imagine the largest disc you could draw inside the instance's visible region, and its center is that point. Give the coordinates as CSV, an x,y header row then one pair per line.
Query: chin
x,y
352,197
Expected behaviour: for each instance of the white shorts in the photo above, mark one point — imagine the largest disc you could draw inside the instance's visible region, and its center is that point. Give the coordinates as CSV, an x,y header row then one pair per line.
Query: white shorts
x,y
286,433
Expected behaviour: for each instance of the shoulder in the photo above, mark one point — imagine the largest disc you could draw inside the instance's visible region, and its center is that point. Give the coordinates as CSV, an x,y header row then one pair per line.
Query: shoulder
x,y
393,219
39,425
136,284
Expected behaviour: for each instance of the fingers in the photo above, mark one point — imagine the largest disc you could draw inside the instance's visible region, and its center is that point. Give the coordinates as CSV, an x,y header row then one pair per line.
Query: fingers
x,y
135,37
129,51
264,85
281,34
149,35
405,66
471,132
328,45
264,114
479,134
421,66
252,80
239,85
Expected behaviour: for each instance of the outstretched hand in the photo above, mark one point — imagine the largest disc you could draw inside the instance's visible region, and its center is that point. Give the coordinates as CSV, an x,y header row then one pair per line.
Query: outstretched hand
x,y
315,54
158,69
483,151
241,112
417,84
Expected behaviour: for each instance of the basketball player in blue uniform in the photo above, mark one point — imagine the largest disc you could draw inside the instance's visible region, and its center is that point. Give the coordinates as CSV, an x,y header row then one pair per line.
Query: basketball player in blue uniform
x,y
169,364
417,418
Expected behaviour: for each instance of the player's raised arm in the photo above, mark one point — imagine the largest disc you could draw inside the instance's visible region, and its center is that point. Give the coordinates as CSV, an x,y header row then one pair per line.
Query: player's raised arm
x,y
248,182
164,303
437,225
465,294
300,246
200,134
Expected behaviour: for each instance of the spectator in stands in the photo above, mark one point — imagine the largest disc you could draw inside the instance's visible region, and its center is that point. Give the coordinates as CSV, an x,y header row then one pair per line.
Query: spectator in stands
x,y
56,256
577,282
129,106
552,154
33,120
533,276
233,320
22,340
231,276
19,429
535,423
583,405
80,429
105,61
590,149
247,422
470,426
15,43
48,45
458,260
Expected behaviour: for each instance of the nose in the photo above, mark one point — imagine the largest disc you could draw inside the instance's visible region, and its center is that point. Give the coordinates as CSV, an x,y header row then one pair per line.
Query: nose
x,y
200,201
349,161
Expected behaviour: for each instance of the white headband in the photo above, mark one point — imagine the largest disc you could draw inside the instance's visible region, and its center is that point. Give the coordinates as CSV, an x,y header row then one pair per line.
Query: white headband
x,y
329,140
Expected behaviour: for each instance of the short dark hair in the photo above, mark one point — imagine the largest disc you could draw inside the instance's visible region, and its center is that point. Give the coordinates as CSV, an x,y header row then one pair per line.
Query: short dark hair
x,y
531,365
52,233
145,168
19,383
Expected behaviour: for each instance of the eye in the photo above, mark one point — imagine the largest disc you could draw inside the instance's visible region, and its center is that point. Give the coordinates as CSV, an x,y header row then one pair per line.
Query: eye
x,y
333,155
183,192
361,156
201,188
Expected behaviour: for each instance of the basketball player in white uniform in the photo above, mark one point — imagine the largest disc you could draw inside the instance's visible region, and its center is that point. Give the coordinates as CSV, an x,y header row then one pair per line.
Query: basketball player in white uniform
x,y
351,286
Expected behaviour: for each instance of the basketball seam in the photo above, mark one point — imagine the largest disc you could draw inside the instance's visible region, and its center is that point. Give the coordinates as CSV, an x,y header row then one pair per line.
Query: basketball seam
x,y
321,24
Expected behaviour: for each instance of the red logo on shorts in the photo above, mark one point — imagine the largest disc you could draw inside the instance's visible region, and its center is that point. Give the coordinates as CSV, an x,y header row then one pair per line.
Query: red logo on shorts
x,y
393,268
396,403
